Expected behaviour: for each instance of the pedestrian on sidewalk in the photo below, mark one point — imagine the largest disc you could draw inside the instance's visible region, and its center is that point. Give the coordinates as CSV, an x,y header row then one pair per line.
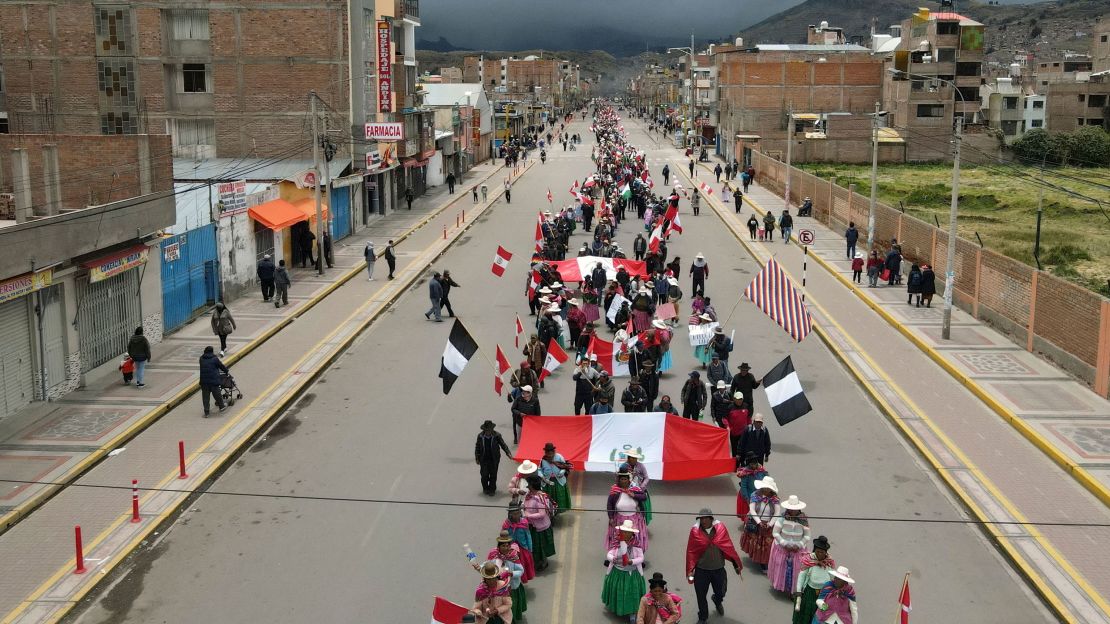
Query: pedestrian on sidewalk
x,y
666,175
265,272
928,285
894,265
282,283
695,202
487,454
127,368
409,197
753,223
913,285
328,258
307,241
451,183
717,172
435,293
210,380
786,225
390,258
728,171
371,258
699,272
707,549
738,199
138,349
769,227
745,180
851,235
446,283
857,268
474,194
691,167
222,325
874,267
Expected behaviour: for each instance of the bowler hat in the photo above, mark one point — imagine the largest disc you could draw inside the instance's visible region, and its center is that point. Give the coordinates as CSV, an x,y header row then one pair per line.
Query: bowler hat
x,y
489,424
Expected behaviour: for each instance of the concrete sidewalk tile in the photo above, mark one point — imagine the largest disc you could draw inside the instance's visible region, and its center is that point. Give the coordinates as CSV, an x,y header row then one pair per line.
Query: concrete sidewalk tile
x,y
1047,397
73,424
30,466
1089,442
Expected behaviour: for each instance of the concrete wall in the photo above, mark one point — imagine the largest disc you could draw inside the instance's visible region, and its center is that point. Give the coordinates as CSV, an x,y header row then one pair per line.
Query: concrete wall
x,y
238,257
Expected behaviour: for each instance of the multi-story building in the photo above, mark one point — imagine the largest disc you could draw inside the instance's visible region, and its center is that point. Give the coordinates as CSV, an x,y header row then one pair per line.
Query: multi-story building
x,y
1076,104
552,82
1069,68
934,78
1100,45
1010,108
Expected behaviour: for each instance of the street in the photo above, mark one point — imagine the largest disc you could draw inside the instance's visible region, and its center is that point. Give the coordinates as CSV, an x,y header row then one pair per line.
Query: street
x,y
384,463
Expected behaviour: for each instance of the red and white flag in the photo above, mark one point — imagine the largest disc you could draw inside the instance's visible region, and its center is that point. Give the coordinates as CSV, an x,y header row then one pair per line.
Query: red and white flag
x,y
611,356
575,269
550,197
519,331
502,361
656,238
498,384
533,284
672,448
705,188
675,225
555,358
904,602
539,233
447,612
501,261
574,189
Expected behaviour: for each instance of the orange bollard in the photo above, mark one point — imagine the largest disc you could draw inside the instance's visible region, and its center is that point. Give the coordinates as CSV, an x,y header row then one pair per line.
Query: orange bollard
x,y
135,502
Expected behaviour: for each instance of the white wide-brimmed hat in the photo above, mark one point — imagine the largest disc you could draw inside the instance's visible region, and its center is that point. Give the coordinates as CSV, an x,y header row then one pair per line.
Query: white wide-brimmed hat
x,y
526,388
545,300
842,573
574,302
768,483
554,308
793,504
672,281
706,317
527,467
721,384
556,284
546,290
658,324
628,527
633,453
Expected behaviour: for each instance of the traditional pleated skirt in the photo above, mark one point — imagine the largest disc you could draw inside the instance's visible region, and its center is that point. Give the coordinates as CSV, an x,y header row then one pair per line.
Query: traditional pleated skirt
x,y
741,505
622,592
543,544
641,320
783,567
559,493
703,354
520,602
809,607
758,545
647,508
641,538
666,363
528,564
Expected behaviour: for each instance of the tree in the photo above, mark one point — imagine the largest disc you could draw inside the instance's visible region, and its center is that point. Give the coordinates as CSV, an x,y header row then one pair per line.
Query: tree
x,y
1089,146
1038,146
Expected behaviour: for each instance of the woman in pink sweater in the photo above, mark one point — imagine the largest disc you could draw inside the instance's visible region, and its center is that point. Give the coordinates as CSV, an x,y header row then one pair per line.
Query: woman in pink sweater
x,y
538,510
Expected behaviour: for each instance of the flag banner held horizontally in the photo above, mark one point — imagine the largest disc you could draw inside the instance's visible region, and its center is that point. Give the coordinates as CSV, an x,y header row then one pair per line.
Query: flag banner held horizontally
x,y
610,356
574,269
673,448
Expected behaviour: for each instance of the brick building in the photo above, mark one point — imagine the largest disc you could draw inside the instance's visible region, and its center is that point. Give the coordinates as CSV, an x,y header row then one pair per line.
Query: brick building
x,y
1076,104
553,82
1100,45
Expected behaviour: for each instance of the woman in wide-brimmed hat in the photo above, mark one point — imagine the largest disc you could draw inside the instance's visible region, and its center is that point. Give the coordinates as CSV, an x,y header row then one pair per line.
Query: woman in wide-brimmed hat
x,y
836,602
791,547
815,572
553,470
633,466
624,580
517,526
493,603
763,509
507,555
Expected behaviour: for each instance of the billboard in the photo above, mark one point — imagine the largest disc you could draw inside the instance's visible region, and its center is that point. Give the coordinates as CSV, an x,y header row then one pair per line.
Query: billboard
x,y
385,68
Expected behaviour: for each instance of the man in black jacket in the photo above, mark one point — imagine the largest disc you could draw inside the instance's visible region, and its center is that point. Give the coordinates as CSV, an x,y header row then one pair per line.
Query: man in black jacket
x,y
634,399
584,387
524,405
746,383
639,247
447,283
390,258
210,368
265,272
755,440
693,397
487,454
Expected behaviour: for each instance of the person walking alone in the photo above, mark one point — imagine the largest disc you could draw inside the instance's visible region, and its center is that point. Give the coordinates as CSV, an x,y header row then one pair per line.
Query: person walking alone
x,y
409,197
851,236
666,175
265,272
138,349
210,380
508,190
390,258
717,172
487,454
699,272
693,397
222,325
371,257
446,284
707,549
282,283
435,293
451,183
786,225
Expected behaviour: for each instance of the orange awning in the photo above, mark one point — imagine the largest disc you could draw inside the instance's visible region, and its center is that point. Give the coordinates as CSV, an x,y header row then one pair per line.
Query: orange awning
x,y
277,214
307,206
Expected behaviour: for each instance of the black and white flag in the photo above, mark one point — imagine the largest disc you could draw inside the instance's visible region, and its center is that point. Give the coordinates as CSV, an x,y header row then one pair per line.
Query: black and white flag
x,y
784,392
460,348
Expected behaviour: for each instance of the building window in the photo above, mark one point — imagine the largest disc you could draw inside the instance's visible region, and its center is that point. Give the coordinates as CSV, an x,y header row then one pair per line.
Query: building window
x,y
113,29
1080,121
1036,123
1055,64
1038,103
1094,122
968,69
1096,101
948,28
116,80
118,123
946,55
1009,128
193,137
189,24
1103,38
1010,103
930,110
4,123
194,78
1082,97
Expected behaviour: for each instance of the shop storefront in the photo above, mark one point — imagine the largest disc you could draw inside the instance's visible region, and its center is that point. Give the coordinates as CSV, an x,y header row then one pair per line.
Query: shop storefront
x,y
17,329
109,304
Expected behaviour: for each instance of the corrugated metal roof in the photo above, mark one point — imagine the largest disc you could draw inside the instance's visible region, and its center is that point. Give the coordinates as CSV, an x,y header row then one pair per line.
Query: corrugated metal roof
x,y
256,169
803,47
448,94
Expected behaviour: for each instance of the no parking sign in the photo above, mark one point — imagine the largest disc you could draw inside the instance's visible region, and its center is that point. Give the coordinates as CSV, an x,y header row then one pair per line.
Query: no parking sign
x,y
806,237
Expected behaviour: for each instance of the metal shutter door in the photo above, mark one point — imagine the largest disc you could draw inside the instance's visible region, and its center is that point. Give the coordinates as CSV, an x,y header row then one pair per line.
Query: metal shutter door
x,y
108,313
17,384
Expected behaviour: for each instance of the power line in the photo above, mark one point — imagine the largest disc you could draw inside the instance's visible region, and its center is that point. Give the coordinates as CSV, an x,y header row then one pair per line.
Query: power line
x,y
502,507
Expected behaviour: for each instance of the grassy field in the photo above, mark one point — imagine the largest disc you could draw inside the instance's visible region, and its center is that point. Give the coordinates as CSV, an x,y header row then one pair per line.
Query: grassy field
x,y
1001,206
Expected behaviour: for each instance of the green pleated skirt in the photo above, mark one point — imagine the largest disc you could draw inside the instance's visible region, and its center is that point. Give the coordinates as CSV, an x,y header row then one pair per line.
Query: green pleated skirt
x,y
543,544
809,607
560,494
622,592
647,509
520,602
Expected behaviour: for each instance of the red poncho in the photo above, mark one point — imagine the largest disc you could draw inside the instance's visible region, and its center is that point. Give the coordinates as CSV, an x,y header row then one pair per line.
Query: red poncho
x,y
700,540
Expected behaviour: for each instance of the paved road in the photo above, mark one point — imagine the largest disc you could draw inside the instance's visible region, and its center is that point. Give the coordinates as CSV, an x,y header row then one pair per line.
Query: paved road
x,y
376,426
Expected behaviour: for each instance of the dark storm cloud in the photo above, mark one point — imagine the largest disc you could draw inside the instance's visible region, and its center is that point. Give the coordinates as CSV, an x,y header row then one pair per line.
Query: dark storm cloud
x,y
558,24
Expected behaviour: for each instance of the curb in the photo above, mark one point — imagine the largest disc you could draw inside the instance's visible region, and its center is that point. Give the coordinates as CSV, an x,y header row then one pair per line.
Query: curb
x,y
1032,577
210,471
21,511
1077,472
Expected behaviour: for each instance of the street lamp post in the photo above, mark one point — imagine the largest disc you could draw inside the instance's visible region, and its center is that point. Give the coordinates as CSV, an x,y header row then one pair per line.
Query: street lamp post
x,y
874,178
690,106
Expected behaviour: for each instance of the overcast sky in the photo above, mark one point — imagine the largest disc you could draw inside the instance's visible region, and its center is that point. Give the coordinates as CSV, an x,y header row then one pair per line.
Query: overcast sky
x,y
520,24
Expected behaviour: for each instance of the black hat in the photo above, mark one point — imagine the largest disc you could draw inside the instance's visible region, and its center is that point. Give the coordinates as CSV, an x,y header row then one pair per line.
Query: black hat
x,y
550,446
821,542
744,366
489,424
657,580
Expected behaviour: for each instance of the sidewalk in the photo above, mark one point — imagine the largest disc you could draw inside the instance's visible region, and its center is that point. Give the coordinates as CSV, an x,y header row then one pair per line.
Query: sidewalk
x,y
65,440
999,475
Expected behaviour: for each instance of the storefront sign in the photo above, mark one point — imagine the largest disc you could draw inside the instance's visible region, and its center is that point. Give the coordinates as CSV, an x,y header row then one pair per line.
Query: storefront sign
x,y
305,179
385,68
392,131
232,196
171,252
117,263
26,284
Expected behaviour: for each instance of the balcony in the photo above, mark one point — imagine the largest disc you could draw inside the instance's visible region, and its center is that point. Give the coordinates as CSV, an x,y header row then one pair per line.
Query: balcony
x,y
409,10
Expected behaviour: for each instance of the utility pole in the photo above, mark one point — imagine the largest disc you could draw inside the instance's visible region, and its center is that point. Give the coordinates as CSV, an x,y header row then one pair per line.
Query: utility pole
x,y
690,111
789,153
874,181
950,275
316,184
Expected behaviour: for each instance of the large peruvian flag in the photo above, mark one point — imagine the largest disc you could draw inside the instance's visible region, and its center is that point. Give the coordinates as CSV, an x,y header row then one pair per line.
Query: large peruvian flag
x,y
610,356
574,269
673,448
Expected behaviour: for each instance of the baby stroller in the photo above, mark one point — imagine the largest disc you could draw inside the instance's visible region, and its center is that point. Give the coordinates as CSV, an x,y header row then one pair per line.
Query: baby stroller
x,y
228,390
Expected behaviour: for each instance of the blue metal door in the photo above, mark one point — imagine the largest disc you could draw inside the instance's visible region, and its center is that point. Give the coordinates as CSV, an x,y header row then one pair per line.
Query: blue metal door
x,y
341,212
187,275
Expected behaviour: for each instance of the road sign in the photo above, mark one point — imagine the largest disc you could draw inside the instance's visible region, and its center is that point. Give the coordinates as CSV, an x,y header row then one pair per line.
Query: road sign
x,y
806,237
